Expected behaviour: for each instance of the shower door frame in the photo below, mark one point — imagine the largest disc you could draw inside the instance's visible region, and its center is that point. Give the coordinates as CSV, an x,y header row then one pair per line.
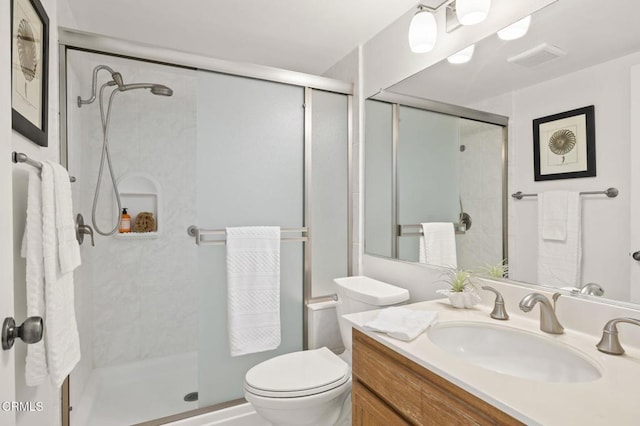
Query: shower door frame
x,y
396,101
103,45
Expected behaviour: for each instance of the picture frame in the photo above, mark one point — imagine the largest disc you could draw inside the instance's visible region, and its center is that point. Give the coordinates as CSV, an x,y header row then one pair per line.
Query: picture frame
x,y
564,145
30,70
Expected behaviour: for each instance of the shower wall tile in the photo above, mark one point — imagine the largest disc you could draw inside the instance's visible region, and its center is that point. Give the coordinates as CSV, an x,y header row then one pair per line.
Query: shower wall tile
x,y
481,194
144,302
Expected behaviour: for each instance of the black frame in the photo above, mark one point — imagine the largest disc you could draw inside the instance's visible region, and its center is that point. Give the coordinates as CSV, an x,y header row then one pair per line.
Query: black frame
x,y
21,124
589,113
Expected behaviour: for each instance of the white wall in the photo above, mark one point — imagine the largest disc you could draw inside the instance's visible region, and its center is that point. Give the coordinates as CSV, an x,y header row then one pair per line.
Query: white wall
x,y
480,177
605,220
7,358
45,393
146,286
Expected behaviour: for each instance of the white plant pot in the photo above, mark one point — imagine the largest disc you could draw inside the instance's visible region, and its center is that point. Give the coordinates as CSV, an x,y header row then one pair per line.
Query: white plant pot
x,y
461,299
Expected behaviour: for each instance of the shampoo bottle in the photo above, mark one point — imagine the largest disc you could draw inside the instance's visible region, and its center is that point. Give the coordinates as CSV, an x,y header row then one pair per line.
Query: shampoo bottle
x,y
125,222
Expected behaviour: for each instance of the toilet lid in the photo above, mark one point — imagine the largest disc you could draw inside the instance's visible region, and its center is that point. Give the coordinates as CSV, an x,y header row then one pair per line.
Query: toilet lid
x,y
297,374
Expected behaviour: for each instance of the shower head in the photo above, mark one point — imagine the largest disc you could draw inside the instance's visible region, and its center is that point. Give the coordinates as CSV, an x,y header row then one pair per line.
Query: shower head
x,y
156,89
159,89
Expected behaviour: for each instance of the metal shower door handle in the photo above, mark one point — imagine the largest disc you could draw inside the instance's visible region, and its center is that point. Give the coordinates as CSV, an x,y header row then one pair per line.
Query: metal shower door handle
x,y
30,331
636,256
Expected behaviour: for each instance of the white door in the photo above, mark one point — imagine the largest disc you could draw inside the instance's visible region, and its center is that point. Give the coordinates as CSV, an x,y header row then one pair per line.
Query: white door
x,y
7,367
635,185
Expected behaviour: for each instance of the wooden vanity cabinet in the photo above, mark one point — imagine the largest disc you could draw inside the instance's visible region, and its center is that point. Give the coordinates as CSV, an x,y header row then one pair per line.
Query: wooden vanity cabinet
x,y
389,389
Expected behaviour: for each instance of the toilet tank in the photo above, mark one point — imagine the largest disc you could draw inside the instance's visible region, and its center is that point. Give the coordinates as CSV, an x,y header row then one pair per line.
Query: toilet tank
x,y
359,294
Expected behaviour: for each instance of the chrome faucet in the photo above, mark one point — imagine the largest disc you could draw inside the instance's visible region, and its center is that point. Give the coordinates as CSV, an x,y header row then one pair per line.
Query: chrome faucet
x,y
548,321
592,289
499,312
610,344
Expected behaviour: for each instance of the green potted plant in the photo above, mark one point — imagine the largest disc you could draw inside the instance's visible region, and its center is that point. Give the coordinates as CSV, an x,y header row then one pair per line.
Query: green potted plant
x,y
461,291
501,270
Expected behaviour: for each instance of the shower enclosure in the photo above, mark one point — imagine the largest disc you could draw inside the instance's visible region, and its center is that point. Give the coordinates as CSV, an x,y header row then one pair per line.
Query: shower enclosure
x,y
223,150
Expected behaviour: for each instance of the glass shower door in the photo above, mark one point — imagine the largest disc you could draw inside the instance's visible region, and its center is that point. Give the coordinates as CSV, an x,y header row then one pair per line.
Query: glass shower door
x,y
250,171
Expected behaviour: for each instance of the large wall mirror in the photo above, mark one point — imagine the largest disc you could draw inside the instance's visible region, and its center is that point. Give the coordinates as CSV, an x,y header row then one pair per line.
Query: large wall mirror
x,y
575,54
434,164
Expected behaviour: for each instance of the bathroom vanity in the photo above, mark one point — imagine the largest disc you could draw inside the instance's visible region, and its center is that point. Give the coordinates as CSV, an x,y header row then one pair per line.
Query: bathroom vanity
x,y
553,380
390,388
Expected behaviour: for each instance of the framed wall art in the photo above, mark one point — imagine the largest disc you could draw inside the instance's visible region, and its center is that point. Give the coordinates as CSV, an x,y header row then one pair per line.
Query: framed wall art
x,y
29,69
564,145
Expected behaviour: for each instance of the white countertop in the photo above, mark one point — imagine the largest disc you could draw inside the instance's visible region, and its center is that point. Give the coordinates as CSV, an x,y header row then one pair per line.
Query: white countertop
x,y
610,400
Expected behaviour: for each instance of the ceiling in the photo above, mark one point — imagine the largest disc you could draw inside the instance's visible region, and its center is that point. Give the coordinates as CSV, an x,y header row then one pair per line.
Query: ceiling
x,y
301,35
589,31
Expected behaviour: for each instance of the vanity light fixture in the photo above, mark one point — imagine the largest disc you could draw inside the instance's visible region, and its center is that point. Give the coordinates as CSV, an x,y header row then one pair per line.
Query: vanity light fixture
x,y
515,30
471,12
423,30
463,56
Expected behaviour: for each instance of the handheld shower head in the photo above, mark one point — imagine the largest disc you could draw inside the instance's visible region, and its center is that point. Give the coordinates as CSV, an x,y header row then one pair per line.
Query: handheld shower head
x,y
159,89
156,89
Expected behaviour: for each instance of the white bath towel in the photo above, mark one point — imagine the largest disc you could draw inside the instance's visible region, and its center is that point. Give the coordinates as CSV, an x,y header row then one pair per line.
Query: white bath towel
x,y
438,244
402,323
559,261
554,207
68,247
253,289
61,330
36,362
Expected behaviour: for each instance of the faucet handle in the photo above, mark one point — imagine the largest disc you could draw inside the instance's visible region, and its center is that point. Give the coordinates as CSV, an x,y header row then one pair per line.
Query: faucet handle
x,y
499,311
609,343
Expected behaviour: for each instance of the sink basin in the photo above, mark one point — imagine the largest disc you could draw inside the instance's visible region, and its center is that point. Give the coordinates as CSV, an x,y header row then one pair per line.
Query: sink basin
x,y
513,352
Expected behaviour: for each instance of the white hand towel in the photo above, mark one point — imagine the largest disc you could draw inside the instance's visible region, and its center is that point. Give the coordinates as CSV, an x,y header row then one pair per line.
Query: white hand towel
x,y
553,206
402,323
36,361
68,247
438,244
253,289
61,331
559,262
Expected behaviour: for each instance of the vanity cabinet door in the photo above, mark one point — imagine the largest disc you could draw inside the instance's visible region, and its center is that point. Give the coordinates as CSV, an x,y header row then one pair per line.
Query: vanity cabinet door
x,y
415,393
369,410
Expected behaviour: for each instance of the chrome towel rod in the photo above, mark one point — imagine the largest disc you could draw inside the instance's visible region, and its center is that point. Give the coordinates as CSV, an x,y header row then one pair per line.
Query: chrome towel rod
x,y
21,157
459,228
200,234
609,192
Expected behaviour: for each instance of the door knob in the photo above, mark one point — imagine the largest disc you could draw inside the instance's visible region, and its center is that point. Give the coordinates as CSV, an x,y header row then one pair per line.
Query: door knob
x,y
30,331
636,255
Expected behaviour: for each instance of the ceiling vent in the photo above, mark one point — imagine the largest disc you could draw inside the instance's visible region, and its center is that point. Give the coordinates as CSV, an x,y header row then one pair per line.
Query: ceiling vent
x,y
538,55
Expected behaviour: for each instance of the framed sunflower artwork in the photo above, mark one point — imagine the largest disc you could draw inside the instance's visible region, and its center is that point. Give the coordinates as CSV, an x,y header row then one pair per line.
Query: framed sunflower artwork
x,y
29,69
564,145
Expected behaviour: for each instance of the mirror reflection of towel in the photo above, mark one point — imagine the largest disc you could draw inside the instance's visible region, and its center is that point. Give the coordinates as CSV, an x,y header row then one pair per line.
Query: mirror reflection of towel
x,y
559,260
438,244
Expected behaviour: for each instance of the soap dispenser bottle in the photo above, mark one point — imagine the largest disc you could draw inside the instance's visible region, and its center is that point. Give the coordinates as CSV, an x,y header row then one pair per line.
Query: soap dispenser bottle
x,y
125,222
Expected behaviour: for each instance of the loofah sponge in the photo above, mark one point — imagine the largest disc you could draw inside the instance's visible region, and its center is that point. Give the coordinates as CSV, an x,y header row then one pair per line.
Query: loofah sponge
x,y
145,222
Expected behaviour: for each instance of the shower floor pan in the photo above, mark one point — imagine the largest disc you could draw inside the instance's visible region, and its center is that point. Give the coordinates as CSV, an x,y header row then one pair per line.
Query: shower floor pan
x,y
137,392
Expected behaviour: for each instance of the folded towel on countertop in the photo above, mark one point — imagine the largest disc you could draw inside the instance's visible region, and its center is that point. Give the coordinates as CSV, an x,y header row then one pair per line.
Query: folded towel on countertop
x,y
402,323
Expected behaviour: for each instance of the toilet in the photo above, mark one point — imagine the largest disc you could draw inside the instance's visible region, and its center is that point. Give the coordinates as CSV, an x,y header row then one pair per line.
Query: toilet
x,y
311,387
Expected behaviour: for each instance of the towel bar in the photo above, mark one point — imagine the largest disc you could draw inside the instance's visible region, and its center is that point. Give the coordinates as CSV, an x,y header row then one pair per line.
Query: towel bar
x,y
609,192
20,157
199,235
459,228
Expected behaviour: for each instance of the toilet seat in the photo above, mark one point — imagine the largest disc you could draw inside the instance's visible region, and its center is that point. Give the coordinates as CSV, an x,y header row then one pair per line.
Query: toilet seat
x,y
298,374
